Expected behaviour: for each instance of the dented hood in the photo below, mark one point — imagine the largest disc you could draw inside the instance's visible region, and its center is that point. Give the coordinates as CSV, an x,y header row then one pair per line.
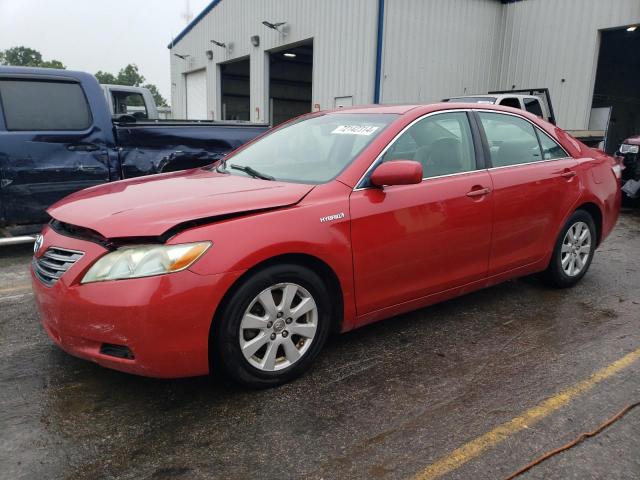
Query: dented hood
x,y
150,206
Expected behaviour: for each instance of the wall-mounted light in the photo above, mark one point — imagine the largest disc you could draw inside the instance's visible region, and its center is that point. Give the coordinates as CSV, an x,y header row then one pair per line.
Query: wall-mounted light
x,y
219,44
632,29
209,54
183,57
255,40
289,55
277,26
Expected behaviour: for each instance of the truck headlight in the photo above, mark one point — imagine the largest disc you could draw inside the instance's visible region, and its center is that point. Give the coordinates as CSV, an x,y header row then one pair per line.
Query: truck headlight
x,y
145,261
625,148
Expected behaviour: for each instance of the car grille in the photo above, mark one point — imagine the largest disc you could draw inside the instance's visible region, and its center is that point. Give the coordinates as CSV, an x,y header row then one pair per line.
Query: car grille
x,y
53,263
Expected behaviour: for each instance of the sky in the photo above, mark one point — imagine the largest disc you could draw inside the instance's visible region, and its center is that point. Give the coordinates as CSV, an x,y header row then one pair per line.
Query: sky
x,y
92,35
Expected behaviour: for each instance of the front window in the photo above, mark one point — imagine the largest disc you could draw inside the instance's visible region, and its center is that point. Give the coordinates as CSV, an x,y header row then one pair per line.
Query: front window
x,y
312,150
442,143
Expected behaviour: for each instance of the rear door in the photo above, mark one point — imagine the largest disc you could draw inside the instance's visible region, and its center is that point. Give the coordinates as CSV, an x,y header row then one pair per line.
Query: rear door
x,y
49,146
534,186
411,241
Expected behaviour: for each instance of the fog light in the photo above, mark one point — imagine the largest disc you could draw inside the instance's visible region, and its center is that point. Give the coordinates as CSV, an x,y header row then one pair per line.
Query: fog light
x,y
119,351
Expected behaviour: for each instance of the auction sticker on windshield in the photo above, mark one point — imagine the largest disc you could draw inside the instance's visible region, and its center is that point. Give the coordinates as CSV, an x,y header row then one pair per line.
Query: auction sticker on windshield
x,y
355,130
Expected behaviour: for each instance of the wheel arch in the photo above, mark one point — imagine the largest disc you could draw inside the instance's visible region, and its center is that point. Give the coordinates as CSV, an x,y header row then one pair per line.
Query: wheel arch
x,y
323,269
596,213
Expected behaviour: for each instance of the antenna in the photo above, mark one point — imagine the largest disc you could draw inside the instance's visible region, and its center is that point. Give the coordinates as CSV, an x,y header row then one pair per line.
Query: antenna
x,y
187,14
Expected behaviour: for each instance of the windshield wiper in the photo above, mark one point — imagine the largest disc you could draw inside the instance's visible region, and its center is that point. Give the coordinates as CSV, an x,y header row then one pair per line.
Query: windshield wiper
x,y
252,171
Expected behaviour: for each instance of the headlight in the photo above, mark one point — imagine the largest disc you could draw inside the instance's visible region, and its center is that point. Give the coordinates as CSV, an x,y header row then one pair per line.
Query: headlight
x,y
145,261
624,148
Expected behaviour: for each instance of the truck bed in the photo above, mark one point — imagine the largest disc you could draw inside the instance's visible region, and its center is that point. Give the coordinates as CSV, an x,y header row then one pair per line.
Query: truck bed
x,y
148,147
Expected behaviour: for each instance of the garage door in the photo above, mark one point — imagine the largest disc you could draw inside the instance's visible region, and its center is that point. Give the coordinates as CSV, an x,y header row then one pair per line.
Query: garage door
x,y
197,95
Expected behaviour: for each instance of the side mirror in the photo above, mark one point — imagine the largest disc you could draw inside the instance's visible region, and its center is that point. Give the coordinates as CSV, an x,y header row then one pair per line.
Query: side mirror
x,y
397,172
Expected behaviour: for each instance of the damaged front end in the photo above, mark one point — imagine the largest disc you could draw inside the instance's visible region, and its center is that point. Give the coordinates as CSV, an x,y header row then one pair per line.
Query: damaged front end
x,y
630,153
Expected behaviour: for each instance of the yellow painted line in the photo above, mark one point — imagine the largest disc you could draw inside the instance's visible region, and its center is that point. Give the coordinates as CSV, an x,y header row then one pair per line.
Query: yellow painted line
x,y
475,447
15,289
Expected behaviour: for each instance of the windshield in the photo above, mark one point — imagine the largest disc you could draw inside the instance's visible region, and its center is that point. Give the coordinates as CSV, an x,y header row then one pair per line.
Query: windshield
x,y
312,150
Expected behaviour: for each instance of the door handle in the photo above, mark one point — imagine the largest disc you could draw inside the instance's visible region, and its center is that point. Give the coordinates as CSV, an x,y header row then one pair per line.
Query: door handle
x,y
83,147
568,174
84,168
478,192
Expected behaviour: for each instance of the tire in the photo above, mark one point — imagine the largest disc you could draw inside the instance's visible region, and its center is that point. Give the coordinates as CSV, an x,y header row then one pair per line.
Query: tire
x,y
278,329
561,275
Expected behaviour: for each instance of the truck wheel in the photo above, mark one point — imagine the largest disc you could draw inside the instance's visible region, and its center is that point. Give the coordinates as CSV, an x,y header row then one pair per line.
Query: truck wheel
x,y
272,327
573,251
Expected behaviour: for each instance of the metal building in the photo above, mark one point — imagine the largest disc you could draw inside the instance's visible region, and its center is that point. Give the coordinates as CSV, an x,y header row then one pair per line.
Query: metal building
x,y
268,60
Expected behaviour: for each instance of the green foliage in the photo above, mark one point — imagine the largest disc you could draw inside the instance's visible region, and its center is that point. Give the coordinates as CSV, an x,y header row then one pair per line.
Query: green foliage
x,y
106,78
130,75
27,57
159,99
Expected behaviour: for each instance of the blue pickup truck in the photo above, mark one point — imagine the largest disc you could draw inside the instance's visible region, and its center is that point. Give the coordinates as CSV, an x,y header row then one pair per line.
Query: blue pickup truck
x,y
57,136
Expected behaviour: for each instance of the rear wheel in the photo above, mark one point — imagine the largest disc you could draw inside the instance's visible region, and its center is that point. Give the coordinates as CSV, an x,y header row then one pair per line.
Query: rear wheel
x,y
573,251
273,326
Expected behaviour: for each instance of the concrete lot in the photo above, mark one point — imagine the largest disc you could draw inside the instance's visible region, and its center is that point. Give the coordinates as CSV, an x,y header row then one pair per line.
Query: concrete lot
x,y
386,401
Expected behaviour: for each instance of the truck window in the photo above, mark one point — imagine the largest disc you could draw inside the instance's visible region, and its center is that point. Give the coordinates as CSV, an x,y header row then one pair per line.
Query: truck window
x,y
510,102
129,103
532,105
44,105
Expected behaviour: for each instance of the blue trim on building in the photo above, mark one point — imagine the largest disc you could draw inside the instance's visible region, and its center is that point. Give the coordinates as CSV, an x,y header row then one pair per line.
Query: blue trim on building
x,y
378,80
193,23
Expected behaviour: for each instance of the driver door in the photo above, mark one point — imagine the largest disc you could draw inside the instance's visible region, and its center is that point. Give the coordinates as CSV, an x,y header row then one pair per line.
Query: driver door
x,y
412,241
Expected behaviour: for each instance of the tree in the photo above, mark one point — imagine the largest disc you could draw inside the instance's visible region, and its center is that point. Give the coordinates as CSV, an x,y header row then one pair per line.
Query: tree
x,y
27,57
130,75
159,99
106,78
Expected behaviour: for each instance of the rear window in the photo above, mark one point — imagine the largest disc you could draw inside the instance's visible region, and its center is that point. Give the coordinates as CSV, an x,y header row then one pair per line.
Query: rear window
x,y
533,106
44,105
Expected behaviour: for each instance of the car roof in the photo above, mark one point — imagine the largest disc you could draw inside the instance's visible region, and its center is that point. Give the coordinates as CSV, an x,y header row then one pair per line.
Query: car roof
x,y
397,109
429,107
46,72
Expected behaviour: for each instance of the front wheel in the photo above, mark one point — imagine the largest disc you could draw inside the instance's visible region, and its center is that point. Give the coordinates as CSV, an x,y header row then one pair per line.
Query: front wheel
x,y
273,326
573,251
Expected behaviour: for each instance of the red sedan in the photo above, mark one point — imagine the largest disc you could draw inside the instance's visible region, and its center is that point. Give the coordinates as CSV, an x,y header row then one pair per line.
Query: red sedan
x,y
327,223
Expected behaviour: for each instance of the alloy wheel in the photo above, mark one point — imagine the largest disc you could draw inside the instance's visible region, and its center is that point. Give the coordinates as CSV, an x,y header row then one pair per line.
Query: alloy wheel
x,y
278,327
576,248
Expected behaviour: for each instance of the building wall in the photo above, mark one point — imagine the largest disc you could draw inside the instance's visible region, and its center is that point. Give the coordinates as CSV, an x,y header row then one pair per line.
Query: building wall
x,y
439,49
546,41
343,33
432,49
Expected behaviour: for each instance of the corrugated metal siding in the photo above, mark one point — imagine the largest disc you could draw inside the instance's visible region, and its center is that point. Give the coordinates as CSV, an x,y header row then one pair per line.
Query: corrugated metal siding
x,y
439,48
548,40
344,35
432,48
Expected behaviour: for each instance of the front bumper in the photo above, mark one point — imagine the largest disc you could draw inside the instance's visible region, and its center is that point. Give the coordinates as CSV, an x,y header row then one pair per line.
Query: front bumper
x,y
163,320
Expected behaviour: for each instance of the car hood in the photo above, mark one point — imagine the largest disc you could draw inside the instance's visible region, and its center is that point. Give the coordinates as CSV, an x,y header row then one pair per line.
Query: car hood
x,y
150,206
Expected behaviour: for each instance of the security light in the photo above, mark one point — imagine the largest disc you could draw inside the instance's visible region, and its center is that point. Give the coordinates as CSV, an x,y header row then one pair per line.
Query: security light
x,y
273,26
209,54
183,57
255,40
219,44
632,29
